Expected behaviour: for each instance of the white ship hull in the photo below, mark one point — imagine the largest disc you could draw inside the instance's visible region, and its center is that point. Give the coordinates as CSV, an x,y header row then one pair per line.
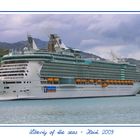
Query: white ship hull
x,y
69,91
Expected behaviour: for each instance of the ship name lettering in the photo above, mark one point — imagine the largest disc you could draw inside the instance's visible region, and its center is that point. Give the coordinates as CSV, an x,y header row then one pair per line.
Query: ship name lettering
x,y
60,132
34,131
52,132
72,132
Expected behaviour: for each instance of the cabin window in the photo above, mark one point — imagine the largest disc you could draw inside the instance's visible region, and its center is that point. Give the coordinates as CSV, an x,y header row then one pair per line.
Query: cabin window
x,y
6,87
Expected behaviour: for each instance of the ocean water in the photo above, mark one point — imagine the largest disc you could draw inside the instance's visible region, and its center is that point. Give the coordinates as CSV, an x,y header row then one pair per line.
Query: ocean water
x,y
109,110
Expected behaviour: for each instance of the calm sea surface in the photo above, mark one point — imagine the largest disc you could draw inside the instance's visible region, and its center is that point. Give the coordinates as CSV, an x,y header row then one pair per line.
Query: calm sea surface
x,y
109,110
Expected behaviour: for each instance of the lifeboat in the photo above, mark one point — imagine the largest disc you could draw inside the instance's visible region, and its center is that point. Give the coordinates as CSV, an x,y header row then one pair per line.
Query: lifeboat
x,y
56,79
83,81
122,81
87,81
131,82
104,85
91,81
125,82
50,79
78,80
99,81
95,81
107,81
111,81
116,81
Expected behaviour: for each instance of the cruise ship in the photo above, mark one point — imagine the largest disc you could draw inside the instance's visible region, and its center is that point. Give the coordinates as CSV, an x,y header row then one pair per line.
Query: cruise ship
x,y
61,72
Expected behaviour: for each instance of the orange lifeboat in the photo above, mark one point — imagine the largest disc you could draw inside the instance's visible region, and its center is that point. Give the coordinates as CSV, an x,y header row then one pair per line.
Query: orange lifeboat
x,y
78,80
107,81
104,85
122,81
111,81
87,81
95,81
50,79
56,79
99,81
91,81
125,82
116,81
131,82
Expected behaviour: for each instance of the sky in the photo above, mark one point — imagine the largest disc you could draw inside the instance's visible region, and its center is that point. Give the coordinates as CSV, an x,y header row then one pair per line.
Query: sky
x,y
95,33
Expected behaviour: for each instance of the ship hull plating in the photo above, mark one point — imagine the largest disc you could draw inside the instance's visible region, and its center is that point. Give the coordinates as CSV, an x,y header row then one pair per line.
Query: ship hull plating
x,y
71,91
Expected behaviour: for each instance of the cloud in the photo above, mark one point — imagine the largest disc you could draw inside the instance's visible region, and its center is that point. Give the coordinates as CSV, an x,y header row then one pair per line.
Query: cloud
x,y
34,24
114,32
120,51
116,29
105,51
97,33
90,42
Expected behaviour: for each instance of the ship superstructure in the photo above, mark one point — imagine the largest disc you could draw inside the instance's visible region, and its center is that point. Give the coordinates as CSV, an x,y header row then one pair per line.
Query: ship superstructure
x,y
61,72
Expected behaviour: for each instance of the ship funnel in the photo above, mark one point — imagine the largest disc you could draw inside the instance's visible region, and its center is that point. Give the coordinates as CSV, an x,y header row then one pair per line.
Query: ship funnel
x,y
55,44
31,43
